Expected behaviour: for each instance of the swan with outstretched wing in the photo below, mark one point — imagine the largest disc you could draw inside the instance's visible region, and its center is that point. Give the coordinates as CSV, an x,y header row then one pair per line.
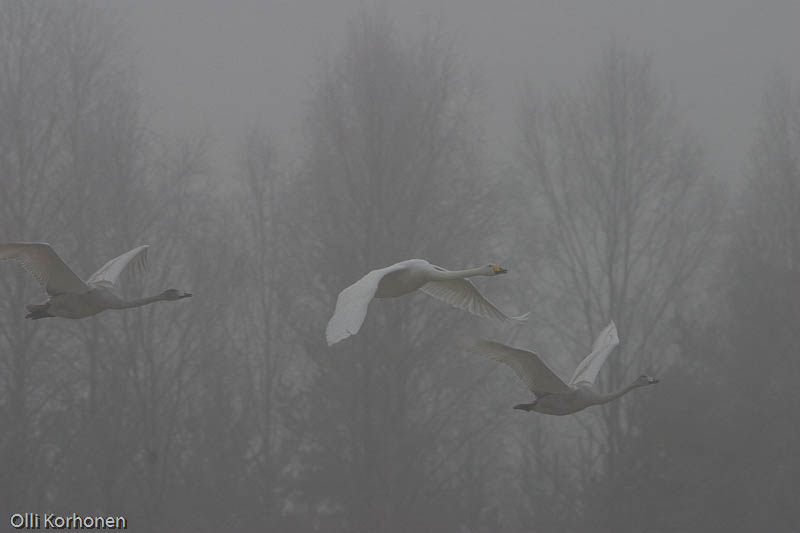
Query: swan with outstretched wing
x,y
69,295
450,286
553,395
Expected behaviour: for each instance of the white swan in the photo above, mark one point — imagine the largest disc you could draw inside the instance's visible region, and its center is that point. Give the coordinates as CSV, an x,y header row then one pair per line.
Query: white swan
x,y
408,276
71,297
553,396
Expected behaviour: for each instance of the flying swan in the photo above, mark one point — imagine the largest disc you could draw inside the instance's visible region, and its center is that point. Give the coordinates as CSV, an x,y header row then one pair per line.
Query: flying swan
x,y
71,297
407,276
553,396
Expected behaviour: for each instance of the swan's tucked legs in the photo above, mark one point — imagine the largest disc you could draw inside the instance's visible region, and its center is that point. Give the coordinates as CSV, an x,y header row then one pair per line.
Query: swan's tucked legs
x,y
37,311
525,406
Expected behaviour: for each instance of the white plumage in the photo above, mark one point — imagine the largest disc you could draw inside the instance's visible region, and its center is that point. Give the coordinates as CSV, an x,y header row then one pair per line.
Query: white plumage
x,y
71,297
553,395
408,276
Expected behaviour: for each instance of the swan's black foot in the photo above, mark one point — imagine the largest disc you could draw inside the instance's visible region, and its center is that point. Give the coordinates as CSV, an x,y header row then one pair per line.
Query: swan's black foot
x,y
39,313
525,406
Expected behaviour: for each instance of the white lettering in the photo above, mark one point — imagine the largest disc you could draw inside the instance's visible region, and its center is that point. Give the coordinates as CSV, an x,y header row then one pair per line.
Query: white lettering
x,y
17,520
73,521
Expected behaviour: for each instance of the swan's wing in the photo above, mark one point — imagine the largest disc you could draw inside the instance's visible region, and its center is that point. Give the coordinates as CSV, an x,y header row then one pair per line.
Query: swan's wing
x,y
606,337
461,293
352,303
587,371
109,273
530,369
43,263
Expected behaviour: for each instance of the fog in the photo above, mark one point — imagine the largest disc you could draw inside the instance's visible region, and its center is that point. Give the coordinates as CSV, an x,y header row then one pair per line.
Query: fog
x,y
203,64
626,161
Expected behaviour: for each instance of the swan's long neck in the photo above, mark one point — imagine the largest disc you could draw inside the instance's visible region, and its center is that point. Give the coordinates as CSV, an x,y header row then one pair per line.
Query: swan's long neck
x,y
459,274
138,302
605,398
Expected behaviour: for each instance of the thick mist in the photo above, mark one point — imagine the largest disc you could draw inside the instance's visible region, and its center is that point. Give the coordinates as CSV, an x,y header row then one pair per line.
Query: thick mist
x,y
625,161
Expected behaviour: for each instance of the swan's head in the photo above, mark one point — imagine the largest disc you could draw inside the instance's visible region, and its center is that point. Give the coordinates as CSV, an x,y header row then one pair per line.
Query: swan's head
x,y
495,270
174,294
646,380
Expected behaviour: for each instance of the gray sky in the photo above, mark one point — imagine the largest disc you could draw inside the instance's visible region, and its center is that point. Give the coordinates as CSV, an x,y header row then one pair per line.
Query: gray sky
x,y
219,67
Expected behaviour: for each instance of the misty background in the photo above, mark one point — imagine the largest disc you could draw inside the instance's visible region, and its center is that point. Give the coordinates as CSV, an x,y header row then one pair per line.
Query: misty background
x,y
634,161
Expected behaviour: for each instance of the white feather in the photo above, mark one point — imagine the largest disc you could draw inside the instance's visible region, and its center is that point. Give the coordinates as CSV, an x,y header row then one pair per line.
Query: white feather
x,y
70,297
405,277
587,371
109,273
539,378
44,264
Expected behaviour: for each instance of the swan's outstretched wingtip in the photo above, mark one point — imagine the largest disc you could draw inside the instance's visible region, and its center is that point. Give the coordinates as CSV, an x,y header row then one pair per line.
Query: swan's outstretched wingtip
x,y
521,318
332,338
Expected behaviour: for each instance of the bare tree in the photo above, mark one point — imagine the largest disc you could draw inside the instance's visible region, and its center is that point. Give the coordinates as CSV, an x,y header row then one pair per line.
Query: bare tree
x,y
627,212
725,441
59,81
760,339
394,162
245,443
97,429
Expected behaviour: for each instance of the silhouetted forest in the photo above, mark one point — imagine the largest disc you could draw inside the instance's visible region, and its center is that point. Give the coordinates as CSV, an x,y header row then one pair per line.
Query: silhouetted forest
x,y
228,411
